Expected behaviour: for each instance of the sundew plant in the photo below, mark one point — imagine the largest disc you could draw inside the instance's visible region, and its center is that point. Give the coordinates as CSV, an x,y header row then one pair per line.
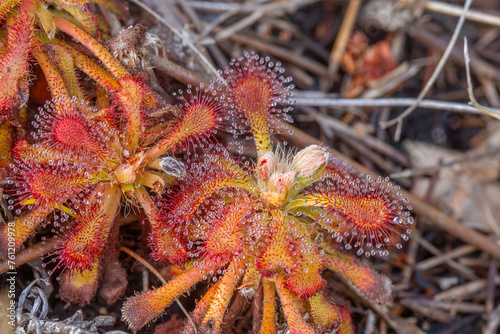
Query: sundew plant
x,y
102,141
267,229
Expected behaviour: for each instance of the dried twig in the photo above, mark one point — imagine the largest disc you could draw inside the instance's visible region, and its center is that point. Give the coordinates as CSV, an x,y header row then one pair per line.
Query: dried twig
x,y
433,77
370,323
425,303
490,289
204,60
178,72
342,39
473,102
493,322
454,10
319,100
459,267
465,290
240,25
440,259
28,254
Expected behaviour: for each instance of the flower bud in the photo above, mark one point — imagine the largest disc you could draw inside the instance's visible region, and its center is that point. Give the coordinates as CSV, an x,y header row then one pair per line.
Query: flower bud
x,y
282,182
125,174
278,186
309,160
265,166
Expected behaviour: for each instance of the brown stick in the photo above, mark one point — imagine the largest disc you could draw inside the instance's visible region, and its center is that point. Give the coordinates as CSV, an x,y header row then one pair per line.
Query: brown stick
x,y
281,53
28,254
342,39
480,67
177,72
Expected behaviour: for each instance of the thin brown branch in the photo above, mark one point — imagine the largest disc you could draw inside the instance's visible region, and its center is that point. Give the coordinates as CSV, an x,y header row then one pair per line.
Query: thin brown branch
x,y
463,291
454,10
434,75
342,39
177,72
282,53
443,258
470,91
28,254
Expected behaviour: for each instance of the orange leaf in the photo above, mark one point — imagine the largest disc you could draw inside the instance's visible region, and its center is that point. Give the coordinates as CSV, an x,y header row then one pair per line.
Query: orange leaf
x,y
326,315
374,286
140,310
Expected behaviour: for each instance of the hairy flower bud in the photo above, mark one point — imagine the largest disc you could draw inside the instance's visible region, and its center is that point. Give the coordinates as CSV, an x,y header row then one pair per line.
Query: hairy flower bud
x,y
265,165
309,160
278,186
282,182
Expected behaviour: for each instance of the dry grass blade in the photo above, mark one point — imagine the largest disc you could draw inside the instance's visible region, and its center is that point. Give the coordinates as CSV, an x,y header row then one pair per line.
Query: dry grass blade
x,y
342,39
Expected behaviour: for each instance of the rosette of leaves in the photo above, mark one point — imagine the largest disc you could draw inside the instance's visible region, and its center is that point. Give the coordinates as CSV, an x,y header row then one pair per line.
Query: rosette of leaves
x,y
269,229
95,147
